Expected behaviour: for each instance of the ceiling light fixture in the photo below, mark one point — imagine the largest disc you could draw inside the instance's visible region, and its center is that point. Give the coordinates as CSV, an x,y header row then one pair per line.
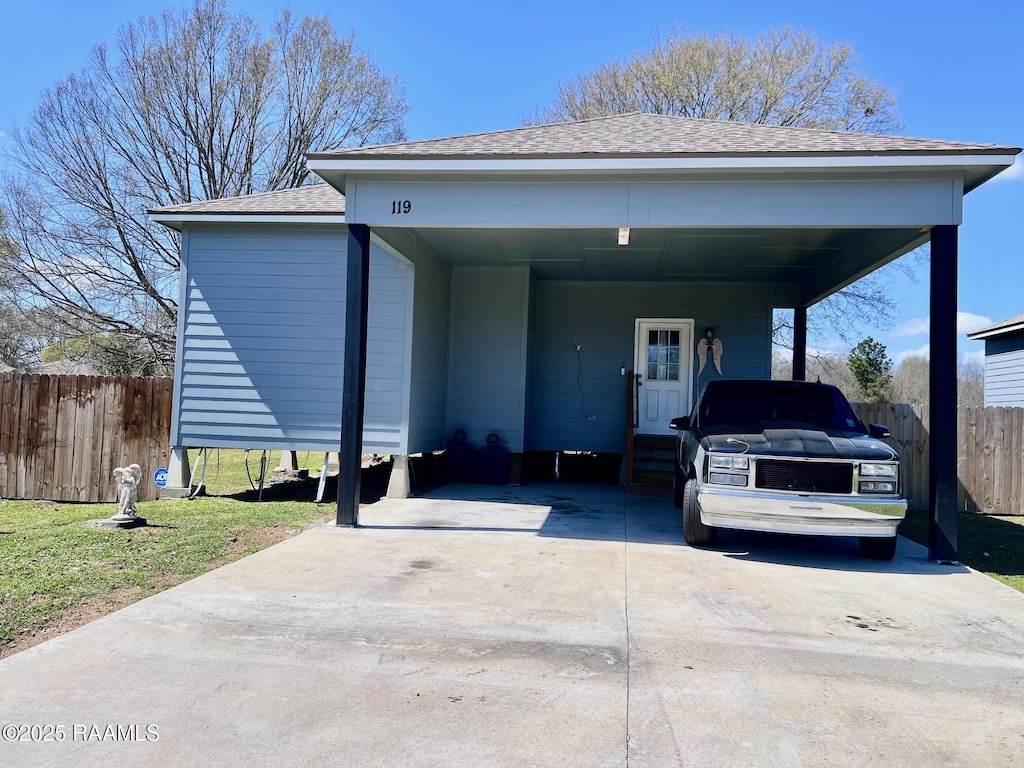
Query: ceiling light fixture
x,y
623,235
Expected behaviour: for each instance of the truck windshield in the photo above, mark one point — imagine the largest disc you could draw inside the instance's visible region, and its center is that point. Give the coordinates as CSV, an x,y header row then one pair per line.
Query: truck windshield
x,y
763,403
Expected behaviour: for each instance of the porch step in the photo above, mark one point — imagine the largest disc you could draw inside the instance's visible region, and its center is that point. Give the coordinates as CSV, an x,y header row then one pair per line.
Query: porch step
x,y
654,443
652,478
654,463
649,489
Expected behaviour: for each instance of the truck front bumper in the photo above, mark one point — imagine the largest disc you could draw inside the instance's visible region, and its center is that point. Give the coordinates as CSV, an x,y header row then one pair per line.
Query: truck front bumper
x,y
788,512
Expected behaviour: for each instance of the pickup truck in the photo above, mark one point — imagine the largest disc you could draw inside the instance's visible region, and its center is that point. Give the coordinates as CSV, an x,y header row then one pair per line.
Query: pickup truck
x,y
786,457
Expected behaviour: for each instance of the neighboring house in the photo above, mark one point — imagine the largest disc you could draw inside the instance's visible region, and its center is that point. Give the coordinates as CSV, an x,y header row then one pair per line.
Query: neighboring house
x,y
515,277
1004,362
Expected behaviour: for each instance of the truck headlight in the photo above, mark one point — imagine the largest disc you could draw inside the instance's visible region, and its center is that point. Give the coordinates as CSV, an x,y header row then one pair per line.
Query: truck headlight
x,y
878,486
878,470
726,478
727,461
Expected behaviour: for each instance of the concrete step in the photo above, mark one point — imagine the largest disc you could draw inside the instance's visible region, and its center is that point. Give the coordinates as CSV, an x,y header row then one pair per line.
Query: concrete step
x,y
652,478
655,466
648,489
654,442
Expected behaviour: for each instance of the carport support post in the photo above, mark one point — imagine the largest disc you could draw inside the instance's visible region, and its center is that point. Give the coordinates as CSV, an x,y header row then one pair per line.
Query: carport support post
x,y
800,344
942,479
357,283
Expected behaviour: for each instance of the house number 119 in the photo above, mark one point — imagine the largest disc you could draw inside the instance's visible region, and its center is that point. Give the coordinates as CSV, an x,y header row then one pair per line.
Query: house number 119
x,y
400,206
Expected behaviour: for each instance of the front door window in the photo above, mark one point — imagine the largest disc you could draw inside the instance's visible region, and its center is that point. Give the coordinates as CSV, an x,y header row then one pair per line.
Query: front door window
x,y
662,355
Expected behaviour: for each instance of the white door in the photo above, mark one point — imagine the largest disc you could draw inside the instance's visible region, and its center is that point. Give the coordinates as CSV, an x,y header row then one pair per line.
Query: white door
x,y
664,372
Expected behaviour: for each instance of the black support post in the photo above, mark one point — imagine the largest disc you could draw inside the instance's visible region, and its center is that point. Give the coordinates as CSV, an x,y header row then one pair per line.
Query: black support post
x,y
942,479
354,383
800,344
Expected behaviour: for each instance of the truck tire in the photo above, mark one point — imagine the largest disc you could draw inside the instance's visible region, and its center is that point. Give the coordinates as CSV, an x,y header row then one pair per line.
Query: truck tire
x,y
878,547
694,531
678,480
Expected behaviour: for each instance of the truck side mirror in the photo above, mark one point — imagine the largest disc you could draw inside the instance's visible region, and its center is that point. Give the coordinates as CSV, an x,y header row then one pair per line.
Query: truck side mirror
x,y
680,423
879,430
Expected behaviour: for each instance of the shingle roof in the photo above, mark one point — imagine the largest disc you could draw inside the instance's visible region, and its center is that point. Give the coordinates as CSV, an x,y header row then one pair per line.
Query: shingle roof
x,y
1012,325
314,200
639,134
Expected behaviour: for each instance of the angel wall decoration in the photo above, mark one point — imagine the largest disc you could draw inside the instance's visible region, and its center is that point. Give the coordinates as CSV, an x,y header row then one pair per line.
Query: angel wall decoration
x,y
715,345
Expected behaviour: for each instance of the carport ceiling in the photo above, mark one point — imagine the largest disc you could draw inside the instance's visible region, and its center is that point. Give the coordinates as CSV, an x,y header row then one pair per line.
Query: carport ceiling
x,y
801,256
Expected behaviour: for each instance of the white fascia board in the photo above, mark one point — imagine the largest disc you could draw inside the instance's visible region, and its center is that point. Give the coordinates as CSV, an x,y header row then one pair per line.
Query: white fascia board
x,y
177,219
1001,331
650,164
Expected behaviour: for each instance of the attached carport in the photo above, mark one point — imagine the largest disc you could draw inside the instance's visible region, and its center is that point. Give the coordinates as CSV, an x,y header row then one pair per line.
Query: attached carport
x,y
806,211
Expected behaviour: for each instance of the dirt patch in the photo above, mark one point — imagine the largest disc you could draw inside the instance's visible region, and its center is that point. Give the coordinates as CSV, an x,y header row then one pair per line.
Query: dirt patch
x,y
74,618
261,538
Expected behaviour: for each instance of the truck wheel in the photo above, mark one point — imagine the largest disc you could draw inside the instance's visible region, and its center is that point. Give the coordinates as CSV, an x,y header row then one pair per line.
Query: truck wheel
x,y
878,547
694,531
677,488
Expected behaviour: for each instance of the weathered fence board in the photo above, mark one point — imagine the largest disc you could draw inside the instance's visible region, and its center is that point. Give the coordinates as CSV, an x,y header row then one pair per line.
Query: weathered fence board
x,y
990,454
62,436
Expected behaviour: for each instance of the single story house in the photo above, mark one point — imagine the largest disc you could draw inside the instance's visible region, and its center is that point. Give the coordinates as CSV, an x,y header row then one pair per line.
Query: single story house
x,y
508,282
1004,362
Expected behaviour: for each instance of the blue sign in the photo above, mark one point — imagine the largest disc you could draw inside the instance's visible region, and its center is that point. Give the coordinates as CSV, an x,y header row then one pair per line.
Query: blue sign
x,y
160,477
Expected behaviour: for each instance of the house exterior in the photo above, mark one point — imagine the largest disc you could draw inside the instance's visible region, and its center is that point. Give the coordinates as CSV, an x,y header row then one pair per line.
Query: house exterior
x,y
1004,362
508,282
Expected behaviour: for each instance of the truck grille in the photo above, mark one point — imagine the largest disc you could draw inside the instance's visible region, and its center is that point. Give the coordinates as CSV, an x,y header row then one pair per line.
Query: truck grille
x,y
805,476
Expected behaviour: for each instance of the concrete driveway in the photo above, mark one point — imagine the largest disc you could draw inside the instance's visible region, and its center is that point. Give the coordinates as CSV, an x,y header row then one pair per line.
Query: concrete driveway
x,y
543,626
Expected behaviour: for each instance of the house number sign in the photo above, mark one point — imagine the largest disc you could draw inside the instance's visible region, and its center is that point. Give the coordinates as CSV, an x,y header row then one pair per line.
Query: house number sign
x,y
400,206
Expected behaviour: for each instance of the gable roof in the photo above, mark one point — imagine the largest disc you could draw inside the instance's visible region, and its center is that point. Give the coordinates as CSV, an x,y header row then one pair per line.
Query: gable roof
x,y
312,200
1002,328
645,135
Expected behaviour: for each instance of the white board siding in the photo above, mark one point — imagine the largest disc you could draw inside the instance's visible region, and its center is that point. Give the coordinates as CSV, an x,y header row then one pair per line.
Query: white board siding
x,y
429,379
601,316
261,347
488,353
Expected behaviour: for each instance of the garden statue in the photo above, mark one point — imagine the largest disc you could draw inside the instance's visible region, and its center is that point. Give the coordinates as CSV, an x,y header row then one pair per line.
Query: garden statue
x,y
128,479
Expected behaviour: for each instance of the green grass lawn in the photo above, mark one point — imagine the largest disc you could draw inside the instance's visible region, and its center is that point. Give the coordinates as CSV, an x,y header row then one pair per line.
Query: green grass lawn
x,y
59,570
987,543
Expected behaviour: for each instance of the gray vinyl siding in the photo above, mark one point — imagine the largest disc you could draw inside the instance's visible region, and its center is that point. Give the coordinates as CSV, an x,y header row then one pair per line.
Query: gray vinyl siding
x,y
1004,371
488,352
261,344
601,316
429,353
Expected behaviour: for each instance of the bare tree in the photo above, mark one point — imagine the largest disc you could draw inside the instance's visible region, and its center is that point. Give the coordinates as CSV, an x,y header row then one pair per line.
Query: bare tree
x,y
970,384
784,76
191,105
826,367
910,381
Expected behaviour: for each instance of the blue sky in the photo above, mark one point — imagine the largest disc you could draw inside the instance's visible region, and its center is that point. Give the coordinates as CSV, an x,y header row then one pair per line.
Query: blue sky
x,y
472,66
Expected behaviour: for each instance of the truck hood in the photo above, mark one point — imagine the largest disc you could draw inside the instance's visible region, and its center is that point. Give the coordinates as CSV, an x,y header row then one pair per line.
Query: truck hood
x,y
802,441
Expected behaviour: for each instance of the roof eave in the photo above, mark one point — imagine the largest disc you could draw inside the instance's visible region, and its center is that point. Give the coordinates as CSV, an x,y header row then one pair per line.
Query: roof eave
x,y
987,333
977,167
179,221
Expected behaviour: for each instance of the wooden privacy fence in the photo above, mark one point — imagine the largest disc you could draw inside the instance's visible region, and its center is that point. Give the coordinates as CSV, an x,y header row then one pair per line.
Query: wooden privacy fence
x,y
990,454
62,436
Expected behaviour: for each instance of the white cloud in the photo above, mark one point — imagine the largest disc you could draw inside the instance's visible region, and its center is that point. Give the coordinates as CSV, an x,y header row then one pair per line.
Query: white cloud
x,y
966,322
1014,173
916,326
